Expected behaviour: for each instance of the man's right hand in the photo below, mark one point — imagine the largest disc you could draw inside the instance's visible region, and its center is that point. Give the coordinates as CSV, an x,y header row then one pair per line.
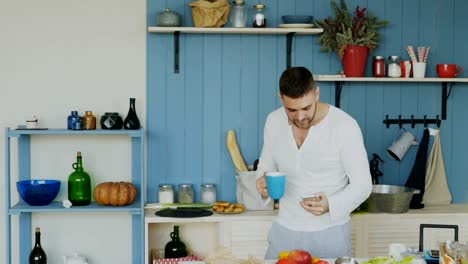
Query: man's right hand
x,y
262,187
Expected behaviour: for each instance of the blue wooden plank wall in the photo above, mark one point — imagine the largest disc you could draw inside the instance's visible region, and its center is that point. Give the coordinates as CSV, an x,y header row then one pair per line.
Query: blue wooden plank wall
x,y
230,82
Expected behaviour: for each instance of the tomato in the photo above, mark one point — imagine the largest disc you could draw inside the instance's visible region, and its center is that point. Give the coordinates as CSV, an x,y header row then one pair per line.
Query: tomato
x,y
321,262
284,261
298,256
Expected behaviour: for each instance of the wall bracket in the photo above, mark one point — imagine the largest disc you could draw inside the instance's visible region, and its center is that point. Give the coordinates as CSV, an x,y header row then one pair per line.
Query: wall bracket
x,y
338,89
176,51
289,40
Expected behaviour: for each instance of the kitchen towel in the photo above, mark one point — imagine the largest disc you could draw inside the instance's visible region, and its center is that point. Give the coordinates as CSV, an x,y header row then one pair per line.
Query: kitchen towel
x,y
417,176
436,189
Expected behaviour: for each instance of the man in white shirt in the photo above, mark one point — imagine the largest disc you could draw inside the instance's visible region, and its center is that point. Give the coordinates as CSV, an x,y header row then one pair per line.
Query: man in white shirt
x,y
321,151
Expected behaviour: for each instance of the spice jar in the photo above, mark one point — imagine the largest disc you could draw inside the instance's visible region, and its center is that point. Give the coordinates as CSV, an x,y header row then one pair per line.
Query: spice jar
x,y
185,194
208,193
259,20
394,69
378,66
166,193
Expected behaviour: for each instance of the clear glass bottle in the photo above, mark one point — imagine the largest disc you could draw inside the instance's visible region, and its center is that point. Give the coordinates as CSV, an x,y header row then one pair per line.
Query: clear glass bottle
x,y
208,193
166,193
38,255
132,121
175,248
239,14
185,194
79,184
259,19
394,69
89,121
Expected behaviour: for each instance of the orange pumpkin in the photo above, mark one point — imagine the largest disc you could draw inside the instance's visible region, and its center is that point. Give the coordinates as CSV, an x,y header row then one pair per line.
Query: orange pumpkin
x,y
115,193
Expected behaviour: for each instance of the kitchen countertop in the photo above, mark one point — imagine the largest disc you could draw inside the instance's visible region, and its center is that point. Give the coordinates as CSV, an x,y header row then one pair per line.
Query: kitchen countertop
x,y
150,217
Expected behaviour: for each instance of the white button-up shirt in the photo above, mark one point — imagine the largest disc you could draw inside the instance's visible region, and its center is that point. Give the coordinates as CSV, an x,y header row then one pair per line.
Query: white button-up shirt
x,y
332,159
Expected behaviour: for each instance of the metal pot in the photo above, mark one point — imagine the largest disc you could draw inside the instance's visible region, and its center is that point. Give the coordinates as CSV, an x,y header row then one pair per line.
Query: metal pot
x,y
390,199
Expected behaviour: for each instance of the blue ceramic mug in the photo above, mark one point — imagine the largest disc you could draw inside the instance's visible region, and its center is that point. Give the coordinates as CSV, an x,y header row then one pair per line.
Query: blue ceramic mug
x,y
276,183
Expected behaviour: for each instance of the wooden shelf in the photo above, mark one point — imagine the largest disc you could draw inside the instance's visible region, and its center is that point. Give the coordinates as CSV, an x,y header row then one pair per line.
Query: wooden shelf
x,y
54,131
22,207
339,81
289,32
201,30
333,78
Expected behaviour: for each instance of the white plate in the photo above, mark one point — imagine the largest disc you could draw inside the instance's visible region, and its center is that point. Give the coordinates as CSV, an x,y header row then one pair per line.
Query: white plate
x,y
296,25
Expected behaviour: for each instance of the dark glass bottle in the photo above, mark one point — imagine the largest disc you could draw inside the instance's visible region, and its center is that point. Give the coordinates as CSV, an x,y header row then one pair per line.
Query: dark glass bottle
x,y
132,121
89,121
38,255
74,121
175,248
79,184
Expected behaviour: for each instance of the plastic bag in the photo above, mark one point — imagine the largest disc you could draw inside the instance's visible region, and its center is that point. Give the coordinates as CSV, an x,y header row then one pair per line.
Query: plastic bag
x,y
210,13
247,193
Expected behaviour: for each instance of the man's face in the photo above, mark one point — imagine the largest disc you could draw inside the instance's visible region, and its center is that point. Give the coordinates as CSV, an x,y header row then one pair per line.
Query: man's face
x,y
301,111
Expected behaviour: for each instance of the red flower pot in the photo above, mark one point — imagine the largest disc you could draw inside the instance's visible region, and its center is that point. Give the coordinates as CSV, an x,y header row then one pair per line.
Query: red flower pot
x,y
355,60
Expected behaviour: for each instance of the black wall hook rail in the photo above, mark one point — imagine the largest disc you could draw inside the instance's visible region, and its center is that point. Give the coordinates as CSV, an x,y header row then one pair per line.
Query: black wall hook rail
x,y
412,121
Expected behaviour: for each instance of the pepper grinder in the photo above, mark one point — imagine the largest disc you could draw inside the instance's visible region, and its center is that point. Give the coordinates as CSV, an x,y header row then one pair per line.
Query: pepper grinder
x,y
374,168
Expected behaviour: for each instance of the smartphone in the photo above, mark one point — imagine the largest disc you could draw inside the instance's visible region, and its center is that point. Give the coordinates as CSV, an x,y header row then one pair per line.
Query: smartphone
x,y
434,253
310,197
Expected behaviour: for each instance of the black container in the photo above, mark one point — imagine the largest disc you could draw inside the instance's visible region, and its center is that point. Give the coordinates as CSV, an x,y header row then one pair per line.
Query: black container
x,y
132,121
111,121
175,248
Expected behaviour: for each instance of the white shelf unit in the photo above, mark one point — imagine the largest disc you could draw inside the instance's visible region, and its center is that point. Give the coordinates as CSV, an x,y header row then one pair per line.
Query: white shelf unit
x,y
339,81
25,211
244,234
289,32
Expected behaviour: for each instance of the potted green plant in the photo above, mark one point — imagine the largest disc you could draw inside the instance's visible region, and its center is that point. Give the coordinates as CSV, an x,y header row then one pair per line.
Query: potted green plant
x,y
352,36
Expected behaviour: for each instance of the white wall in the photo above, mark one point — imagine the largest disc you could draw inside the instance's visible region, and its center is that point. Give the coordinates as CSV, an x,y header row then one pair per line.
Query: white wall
x,y
57,56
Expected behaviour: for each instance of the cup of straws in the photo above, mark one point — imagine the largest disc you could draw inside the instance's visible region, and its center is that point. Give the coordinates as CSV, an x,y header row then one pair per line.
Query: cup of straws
x,y
419,62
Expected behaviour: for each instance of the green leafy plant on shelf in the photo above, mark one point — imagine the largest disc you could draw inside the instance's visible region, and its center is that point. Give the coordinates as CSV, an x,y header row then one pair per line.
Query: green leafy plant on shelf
x,y
345,29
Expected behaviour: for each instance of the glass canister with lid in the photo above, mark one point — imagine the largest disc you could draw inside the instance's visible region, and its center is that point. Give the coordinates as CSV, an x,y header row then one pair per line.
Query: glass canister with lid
x,y
239,14
166,193
394,69
208,193
259,19
185,193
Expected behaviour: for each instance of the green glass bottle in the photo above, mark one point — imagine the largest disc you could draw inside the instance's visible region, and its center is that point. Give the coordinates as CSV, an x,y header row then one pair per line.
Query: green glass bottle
x,y
79,184
175,248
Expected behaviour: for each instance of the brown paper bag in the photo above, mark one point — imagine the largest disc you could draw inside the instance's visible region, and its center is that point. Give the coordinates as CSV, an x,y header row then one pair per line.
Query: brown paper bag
x,y
210,13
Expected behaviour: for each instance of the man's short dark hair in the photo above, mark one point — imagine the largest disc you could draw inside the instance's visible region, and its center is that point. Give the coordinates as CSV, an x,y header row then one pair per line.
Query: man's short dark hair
x,y
296,82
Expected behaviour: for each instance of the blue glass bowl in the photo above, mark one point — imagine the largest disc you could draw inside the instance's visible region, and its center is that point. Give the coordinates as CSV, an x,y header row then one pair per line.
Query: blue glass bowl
x,y
293,19
38,192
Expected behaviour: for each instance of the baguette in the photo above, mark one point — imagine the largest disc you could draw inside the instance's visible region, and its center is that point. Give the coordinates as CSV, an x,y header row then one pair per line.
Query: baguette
x,y
233,148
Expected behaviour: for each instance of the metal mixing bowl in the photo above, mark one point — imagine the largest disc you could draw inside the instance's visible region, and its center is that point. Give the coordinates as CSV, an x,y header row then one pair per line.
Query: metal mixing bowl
x,y
346,260
390,199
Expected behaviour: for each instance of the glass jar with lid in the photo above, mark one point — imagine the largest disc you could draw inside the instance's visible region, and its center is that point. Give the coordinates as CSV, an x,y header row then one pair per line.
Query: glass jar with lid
x,y
185,193
166,193
208,193
239,14
259,19
394,69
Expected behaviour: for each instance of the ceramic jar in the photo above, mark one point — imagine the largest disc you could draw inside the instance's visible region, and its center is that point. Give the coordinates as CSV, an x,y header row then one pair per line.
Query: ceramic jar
x,y
168,18
111,121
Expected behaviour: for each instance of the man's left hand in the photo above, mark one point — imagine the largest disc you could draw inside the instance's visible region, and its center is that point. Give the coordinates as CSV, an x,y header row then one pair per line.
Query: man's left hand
x,y
317,205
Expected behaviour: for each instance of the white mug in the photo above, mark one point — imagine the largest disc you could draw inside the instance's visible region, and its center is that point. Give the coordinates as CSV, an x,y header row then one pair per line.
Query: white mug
x,y
399,148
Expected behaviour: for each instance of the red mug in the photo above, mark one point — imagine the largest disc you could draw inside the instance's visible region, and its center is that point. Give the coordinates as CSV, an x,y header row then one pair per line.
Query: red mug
x,y
449,70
